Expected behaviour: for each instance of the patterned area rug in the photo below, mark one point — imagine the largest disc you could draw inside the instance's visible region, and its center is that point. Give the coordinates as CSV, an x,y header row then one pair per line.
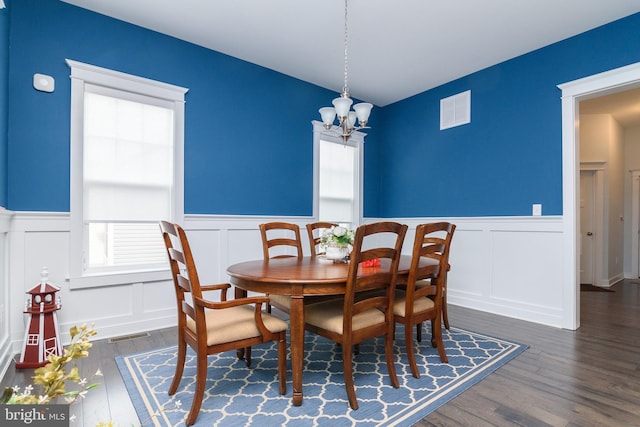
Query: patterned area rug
x,y
241,396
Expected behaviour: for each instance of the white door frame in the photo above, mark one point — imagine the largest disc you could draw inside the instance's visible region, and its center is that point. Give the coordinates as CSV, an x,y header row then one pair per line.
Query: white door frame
x,y
599,225
635,223
572,93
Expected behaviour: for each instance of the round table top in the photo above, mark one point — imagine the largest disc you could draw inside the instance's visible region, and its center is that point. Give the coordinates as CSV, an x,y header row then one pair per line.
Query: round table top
x,y
291,270
300,270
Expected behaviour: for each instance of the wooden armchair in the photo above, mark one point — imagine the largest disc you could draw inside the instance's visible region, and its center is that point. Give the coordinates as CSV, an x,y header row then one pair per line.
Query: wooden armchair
x,y
314,239
422,297
213,327
350,320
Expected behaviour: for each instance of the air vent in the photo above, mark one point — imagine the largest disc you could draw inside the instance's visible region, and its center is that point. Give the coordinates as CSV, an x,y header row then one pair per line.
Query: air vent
x,y
455,110
128,337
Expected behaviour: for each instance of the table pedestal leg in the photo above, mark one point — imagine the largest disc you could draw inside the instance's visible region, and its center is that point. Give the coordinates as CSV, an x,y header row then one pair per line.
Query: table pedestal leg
x,y
296,323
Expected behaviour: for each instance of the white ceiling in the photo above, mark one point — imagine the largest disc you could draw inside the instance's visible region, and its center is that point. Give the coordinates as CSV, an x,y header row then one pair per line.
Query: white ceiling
x,y
397,48
623,106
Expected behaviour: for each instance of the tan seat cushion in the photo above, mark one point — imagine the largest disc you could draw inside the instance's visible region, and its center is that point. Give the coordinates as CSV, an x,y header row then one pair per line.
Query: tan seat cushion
x,y
419,305
328,315
235,323
424,282
280,300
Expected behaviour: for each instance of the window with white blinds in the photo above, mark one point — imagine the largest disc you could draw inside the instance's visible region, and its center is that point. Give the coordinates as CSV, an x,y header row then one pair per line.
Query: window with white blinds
x,y
337,176
128,177
337,183
127,154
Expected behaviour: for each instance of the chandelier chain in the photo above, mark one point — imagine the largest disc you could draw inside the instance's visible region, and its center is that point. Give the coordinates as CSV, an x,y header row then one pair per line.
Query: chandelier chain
x,y
349,121
345,88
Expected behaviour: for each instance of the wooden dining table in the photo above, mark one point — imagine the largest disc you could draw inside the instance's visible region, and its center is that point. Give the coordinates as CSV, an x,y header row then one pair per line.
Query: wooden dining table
x,y
298,278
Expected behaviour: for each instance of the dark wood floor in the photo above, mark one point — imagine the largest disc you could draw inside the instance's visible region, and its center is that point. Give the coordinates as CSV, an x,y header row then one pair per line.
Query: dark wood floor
x,y
588,377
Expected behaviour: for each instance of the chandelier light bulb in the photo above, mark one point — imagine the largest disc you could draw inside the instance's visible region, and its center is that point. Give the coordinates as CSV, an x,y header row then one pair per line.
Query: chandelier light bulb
x,y
363,110
342,106
328,115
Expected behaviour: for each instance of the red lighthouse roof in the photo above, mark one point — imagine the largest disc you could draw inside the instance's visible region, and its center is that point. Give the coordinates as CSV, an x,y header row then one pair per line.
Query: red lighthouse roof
x,y
43,287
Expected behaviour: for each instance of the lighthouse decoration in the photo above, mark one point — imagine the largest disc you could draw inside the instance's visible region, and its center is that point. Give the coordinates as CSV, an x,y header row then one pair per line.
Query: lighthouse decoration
x,y
41,338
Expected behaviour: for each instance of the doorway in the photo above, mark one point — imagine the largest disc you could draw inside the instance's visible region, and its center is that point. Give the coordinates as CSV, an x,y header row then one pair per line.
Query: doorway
x,y
617,80
635,224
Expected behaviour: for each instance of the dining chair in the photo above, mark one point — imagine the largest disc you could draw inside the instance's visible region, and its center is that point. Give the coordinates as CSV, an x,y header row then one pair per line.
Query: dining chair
x,y
282,235
211,327
315,237
415,304
447,229
350,320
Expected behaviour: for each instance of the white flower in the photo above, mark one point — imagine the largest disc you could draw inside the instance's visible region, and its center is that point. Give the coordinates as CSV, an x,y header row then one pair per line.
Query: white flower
x,y
178,404
98,373
27,389
339,231
16,389
82,381
72,418
43,399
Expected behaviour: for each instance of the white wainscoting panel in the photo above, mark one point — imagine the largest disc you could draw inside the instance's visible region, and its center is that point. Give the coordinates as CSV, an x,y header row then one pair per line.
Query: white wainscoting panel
x,y
510,266
507,265
5,337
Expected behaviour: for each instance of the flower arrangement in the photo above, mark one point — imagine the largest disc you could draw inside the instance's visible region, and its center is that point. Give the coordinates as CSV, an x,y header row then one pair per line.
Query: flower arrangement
x,y
339,235
52,377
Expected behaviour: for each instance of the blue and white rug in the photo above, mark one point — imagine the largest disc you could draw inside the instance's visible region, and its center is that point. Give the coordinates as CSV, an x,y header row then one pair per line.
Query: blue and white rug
x,y
239,396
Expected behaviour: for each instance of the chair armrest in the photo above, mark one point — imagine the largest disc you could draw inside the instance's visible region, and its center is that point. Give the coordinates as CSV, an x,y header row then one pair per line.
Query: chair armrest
x,y
222,287
217,305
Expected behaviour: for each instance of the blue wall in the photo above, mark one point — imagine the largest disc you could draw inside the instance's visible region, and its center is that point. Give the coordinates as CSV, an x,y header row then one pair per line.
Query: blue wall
x,y
4,104
243,155
510,155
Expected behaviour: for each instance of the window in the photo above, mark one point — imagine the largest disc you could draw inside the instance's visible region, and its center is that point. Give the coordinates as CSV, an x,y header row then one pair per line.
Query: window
x,y
33,339
126,174
338,177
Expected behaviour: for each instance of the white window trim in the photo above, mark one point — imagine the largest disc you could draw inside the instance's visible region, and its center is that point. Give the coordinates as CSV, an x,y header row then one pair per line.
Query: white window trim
x,y
82,73
357,141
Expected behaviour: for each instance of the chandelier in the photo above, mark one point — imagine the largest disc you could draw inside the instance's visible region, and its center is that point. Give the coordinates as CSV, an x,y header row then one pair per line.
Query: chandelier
x,y
342,105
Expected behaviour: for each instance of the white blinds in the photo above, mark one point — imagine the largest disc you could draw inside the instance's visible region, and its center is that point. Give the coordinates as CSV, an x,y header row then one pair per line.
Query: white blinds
x,y
128,157
337,182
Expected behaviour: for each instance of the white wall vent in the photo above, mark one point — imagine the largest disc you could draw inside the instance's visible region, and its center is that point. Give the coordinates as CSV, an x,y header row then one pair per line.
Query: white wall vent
x,y
455,110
